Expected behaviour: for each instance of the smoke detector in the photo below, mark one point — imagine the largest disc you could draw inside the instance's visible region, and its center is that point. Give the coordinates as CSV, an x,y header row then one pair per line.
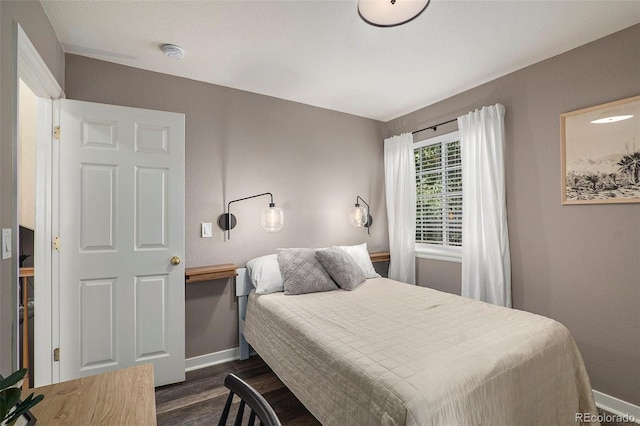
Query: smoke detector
x,y
172,51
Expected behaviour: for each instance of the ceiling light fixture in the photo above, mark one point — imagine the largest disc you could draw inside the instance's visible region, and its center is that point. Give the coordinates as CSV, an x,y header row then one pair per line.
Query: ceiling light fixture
x,y
172,51
389,13
611,119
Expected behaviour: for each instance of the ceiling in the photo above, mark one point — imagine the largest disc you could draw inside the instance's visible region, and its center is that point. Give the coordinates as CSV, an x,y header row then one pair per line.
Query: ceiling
x,y
319,52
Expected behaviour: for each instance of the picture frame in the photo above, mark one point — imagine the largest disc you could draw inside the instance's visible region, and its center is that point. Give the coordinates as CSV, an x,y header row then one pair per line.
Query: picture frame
x,y
26,418
601,153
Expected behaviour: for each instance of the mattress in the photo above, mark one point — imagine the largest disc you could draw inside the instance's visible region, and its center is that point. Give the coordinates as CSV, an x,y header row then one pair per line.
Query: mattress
x,y
390,353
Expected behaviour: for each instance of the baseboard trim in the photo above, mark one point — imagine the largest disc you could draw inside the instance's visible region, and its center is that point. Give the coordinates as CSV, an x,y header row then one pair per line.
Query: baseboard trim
x,y
617,406
214,358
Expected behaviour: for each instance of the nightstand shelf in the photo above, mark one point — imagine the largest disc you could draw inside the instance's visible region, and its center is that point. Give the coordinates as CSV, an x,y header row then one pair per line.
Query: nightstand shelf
x,y
228,270
206,273
381,256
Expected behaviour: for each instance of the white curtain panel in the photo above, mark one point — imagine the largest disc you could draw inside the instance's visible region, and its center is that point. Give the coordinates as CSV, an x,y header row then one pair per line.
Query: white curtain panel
x,y
486,262
400,186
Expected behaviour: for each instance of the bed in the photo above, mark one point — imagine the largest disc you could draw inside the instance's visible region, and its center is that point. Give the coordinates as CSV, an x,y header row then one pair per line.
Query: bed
x,y
388,353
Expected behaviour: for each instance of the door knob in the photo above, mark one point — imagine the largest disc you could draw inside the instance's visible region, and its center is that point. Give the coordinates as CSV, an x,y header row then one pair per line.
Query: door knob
x,y
175,260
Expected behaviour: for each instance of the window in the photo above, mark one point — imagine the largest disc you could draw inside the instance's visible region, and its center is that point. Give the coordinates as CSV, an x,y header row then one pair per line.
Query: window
x,y
439,198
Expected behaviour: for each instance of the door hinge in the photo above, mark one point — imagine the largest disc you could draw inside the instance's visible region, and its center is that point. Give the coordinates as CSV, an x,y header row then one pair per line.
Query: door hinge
x,y
56,243
56,132
56,354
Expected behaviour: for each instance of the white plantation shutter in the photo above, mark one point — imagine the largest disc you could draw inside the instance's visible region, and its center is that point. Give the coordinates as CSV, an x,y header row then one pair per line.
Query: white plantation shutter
x,y
439,191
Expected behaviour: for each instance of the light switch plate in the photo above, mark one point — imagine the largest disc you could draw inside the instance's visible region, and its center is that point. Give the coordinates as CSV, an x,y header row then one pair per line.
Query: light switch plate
x,y
206,230
6,243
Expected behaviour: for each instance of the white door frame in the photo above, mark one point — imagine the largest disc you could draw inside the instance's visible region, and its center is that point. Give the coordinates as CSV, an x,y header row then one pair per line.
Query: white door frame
x,y
28,65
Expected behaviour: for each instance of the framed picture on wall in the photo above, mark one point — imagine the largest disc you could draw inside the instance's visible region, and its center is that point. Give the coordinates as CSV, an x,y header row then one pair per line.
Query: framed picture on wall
x,y
601,153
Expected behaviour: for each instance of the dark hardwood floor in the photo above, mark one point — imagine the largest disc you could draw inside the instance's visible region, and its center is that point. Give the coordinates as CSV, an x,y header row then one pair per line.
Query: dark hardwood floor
x,y
200,399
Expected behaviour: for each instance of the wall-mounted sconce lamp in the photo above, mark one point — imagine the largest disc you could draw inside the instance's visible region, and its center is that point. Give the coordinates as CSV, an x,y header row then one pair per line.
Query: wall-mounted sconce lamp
x,y
272,217
359,216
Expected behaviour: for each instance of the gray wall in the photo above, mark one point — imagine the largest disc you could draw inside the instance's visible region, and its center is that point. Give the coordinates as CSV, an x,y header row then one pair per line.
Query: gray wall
x,y
314,161
31,16
577,264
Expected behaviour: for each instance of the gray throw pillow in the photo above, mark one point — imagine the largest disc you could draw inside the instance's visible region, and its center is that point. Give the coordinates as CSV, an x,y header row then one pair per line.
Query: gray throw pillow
x,y
302,273
342,268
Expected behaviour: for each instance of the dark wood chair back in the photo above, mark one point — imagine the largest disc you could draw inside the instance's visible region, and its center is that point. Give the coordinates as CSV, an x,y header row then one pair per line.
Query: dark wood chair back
x,y
258,406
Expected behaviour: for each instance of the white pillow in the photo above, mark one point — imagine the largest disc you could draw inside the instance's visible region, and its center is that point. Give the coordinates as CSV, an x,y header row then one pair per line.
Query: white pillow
x,y
360,255
264,272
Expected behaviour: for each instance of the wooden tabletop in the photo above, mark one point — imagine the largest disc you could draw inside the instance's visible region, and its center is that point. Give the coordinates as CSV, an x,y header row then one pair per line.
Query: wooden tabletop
x,y
26,271
123,397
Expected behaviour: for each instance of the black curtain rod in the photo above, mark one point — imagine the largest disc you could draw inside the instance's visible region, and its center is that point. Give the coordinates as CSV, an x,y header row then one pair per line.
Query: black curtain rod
x,y
435,126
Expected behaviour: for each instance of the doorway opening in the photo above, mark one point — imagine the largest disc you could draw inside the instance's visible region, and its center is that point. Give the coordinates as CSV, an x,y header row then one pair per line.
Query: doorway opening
x,y
34,87
27,124
27,107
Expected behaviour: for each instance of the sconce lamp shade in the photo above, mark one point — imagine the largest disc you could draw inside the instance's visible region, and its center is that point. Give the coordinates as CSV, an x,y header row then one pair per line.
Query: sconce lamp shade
x,y
272,218
359,216
389,13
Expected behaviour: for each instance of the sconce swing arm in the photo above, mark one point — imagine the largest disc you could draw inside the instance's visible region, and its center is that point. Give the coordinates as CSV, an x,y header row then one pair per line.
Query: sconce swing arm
x,y
227,221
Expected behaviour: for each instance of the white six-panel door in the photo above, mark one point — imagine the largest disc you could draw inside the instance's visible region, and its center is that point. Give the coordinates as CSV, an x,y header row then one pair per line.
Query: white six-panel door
x,y
121,222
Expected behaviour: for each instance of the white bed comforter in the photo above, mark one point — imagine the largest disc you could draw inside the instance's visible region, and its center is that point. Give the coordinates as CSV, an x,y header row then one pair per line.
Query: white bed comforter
x,y
389,353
